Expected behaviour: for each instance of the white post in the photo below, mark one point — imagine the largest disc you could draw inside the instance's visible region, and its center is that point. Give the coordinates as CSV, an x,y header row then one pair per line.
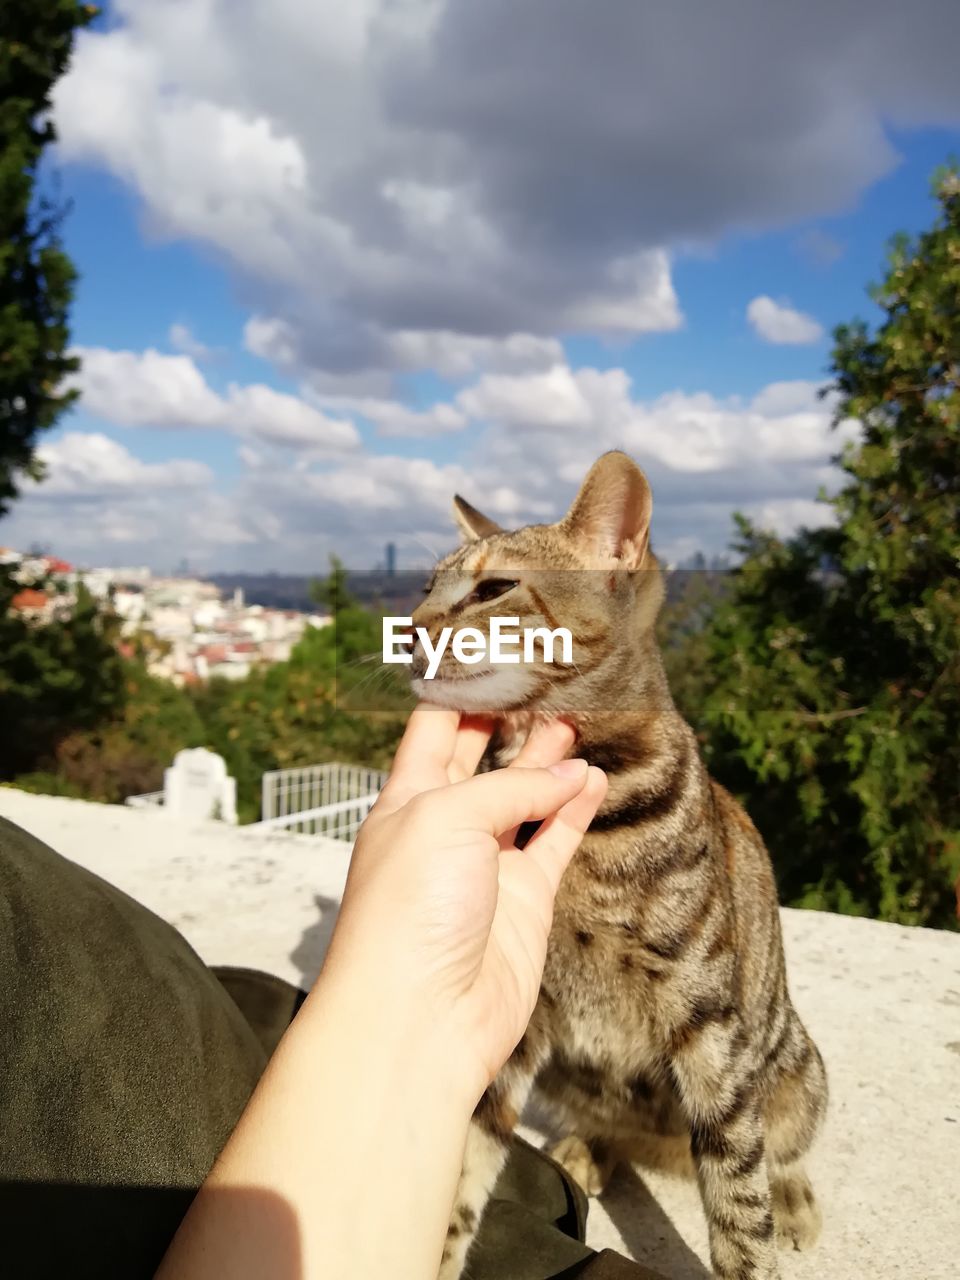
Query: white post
x,y
198,787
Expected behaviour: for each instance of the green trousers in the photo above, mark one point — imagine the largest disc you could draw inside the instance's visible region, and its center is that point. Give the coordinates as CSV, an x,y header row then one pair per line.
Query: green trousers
x,y
125,1062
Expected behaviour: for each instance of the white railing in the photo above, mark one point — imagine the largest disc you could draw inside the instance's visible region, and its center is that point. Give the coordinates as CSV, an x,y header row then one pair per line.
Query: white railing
x,y
148,800
322,799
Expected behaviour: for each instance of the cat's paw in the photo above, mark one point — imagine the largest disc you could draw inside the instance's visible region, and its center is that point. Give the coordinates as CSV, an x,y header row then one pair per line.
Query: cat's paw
x,y
578,1160
796,1214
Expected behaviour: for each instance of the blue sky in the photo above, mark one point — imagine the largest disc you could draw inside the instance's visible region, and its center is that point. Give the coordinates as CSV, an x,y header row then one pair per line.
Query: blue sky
x,y
224,217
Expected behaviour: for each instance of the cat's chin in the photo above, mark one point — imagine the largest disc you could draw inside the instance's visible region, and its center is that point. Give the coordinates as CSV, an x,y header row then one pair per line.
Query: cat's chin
x,y
492,693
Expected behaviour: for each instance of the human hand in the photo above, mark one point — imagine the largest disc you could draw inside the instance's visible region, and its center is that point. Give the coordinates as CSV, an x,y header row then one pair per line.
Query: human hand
x,y
442,912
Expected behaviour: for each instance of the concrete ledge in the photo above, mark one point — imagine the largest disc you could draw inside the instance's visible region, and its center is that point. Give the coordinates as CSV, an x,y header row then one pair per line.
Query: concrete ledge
x,y
882,1002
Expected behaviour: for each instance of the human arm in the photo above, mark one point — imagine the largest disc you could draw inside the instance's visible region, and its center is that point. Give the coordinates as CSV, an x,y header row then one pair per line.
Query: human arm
x,y
345,1162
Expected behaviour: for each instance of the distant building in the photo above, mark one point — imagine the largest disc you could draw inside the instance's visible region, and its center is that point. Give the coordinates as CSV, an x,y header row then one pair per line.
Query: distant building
x,y
31,603
391,559
196,633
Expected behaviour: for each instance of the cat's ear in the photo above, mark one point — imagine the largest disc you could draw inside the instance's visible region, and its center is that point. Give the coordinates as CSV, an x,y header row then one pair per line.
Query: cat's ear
x,y
473,524
611,513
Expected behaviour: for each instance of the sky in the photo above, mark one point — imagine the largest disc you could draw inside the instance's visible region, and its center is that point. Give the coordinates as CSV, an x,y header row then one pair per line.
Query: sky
x,y
338,262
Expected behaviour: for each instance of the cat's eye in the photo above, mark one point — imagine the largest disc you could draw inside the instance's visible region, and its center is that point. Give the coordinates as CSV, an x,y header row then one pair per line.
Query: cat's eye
x,y
492,589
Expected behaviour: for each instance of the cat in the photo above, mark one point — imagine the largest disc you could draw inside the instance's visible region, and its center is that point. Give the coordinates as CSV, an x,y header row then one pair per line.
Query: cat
x,y
664,1029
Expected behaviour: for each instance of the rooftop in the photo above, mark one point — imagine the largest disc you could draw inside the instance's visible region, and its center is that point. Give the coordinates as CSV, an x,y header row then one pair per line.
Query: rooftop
x,y
882,1002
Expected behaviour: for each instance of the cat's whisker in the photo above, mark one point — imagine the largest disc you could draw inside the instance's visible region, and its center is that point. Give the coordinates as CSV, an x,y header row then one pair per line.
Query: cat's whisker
x,y
415,537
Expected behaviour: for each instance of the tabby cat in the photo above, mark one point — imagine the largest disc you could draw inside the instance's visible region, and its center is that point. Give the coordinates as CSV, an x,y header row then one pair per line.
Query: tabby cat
x,y
664,1030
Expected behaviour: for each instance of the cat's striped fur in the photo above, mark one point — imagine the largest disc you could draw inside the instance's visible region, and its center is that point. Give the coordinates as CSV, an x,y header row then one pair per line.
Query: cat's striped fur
x,y
664,1030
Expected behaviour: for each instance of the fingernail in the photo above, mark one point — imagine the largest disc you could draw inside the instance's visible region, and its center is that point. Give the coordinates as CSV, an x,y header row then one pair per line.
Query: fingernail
x,y
575,768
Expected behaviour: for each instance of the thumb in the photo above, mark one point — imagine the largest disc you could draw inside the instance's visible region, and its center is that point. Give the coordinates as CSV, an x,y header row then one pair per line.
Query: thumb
x,y
501,800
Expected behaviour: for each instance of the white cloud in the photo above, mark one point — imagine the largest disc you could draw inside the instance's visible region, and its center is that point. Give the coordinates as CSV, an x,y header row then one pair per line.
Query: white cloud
x,y
705,456
551,399
149,388
787,397
92,465
182,339
101,505
640,298
386,197
389,204
361,259
394,419
276,418
458,355
785,423
271,339
445,353
526,457
785,515
152,389
780,323
204,168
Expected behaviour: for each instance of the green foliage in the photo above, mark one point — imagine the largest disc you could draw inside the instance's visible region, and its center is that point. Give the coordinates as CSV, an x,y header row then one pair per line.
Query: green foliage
x,y
36,277
351,639
41,783
834,705
126,754
693,595
284,717
55,677
349,651
331,593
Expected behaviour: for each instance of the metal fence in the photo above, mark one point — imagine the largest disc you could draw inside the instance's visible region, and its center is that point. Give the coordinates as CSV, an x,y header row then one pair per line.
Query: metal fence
x,y
321,799
148,800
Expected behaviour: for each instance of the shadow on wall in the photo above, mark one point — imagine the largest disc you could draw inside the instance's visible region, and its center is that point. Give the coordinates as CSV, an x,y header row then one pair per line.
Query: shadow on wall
x,y
309,952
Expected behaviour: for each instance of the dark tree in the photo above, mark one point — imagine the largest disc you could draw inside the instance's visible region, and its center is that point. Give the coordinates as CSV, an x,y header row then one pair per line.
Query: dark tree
x,y
36,277
835,708
333,593
59,673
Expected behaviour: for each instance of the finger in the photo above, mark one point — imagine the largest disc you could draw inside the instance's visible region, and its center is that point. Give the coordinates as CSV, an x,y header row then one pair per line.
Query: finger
x,y
548,742
498,801
472,737
423,756
557,840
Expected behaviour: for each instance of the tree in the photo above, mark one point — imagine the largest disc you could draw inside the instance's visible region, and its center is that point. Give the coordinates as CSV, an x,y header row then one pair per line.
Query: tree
x,y
350,649
56,676
287,716
835,708
127,753
36,277
332,592
693,594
